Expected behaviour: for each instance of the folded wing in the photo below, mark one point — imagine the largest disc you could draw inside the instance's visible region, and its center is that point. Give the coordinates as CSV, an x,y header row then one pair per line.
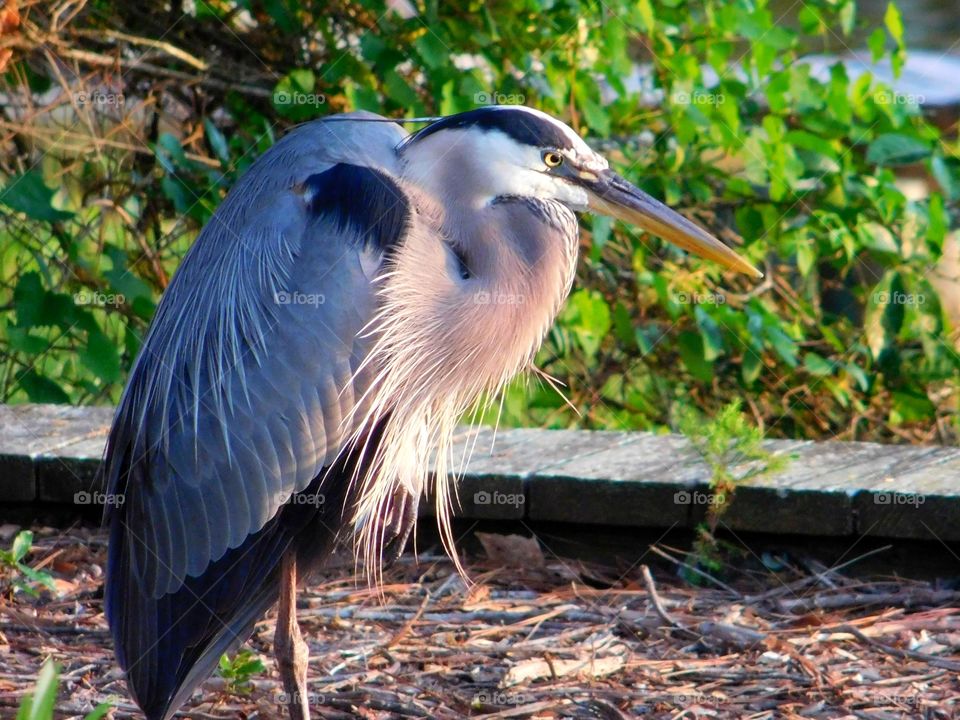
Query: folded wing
x,y
238,399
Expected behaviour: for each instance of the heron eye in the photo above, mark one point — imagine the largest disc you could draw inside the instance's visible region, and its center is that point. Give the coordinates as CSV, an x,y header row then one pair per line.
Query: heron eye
x,y
552,158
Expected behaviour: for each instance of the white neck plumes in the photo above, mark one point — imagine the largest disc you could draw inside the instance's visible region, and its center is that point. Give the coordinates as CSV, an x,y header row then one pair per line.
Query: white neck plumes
x,y
444,337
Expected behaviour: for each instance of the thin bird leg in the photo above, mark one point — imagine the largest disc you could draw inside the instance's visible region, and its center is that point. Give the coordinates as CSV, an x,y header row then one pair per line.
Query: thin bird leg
x,y
291,650
403,519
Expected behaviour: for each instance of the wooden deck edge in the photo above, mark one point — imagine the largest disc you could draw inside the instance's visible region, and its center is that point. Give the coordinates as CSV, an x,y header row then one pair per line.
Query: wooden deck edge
x,y
49,454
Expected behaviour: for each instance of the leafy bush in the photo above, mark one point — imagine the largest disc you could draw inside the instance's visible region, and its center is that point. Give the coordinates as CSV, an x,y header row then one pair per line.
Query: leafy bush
x,y
845,335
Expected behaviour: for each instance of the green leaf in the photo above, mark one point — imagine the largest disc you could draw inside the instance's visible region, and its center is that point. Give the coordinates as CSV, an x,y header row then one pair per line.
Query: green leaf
x,y
938,221
816,365
41,389
600,226
398,90
782,343
595,114
859,376
40,577
175,191
283,15
21,545
39,704
895,149
647,17
946,177
692,354
911,407
588,316
101,357
22,340
710,333
99,711
884,317
806,257
217,141
123,280
877,42
434,53
848,16
623,326
28,194
28,300
894,23
171,149
750,366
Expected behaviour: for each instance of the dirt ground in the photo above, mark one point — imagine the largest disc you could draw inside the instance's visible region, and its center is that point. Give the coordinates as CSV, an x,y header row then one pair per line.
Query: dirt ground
x,y
532,636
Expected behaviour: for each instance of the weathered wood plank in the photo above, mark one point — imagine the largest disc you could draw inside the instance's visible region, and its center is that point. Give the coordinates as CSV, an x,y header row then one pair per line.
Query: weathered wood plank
x,y
51,453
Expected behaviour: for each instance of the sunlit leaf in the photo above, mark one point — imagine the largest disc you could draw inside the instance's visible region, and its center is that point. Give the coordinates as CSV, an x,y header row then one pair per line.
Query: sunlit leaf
x,y
895,149
27,193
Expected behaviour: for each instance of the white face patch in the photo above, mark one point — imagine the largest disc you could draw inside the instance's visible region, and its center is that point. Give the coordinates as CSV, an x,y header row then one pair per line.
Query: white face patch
x,y
511,168
473,165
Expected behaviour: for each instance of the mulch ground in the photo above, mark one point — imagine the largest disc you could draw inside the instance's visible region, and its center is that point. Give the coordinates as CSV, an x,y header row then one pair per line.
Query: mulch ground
x,y
533,636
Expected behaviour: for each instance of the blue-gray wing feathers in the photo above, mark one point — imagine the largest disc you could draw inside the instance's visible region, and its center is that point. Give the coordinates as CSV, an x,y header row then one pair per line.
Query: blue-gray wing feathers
x,y
238,399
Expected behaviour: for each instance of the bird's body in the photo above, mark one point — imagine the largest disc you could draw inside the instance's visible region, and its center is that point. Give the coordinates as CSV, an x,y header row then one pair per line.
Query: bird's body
x,y
353,295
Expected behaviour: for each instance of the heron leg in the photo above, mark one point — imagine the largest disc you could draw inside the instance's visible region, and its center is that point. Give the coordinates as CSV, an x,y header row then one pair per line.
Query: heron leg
x,y
403,521
291,650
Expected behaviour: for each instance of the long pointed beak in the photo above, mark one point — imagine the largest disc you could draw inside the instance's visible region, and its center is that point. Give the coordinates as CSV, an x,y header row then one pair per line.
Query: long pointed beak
x,y
611,195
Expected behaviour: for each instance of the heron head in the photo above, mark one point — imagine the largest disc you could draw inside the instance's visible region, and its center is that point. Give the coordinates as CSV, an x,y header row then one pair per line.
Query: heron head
x,y
503,150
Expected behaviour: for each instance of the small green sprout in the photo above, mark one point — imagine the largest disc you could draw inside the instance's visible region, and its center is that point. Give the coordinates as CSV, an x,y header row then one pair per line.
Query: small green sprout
x,y
39,704
239,670
726,443
24,577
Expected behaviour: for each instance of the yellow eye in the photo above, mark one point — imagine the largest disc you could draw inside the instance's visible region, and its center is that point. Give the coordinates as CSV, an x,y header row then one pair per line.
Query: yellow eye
x,y
552,158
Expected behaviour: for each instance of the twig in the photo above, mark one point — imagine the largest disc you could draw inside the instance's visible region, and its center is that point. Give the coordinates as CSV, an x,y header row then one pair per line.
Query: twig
x,y
405,630
897,652
905,598
803,582
658,603
696,570
171,50
136,64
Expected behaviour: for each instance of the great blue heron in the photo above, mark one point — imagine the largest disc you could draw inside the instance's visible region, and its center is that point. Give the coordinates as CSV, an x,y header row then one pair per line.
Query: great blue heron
x,y
319,342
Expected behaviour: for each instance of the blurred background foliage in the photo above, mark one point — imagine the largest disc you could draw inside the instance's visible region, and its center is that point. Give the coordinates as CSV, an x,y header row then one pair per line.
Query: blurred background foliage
x,y
125,124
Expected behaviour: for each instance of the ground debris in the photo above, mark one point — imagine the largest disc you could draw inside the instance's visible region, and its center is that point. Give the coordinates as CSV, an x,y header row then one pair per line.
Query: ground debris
x,y
521,642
